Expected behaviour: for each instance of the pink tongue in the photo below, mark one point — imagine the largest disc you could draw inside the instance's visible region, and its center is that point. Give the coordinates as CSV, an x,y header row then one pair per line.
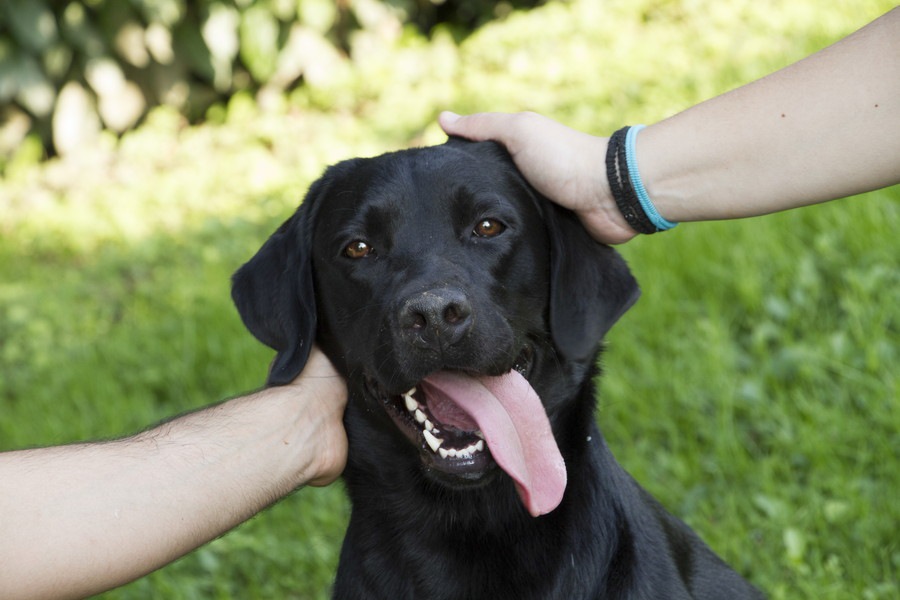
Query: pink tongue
x,y
511,417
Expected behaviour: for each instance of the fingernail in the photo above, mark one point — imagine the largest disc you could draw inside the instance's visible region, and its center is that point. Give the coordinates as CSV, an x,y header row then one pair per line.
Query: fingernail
x,y
449,117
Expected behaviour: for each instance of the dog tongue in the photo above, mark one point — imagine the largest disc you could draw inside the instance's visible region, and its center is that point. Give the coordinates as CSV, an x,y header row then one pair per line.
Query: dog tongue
x,y
515,426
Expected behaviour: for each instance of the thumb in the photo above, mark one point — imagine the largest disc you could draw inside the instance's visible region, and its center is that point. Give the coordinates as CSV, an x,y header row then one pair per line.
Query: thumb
x,y
449,122
448,119
477,127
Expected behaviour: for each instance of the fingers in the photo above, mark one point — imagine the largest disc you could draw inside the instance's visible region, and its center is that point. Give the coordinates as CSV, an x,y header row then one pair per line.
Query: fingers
x,y
558,161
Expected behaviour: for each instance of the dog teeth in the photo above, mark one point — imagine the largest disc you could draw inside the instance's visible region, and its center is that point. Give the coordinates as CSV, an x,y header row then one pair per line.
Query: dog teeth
x,y
430,432
409,401
433,442
466,452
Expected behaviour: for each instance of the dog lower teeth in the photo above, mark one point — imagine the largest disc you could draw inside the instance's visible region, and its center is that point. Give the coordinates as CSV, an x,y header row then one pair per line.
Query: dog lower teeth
x,y
430,432
466,452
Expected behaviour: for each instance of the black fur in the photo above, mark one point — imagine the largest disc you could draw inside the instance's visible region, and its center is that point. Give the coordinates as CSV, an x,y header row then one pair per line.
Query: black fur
x,y
416,532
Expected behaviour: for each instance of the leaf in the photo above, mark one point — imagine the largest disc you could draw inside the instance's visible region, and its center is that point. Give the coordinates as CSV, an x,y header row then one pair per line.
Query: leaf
x,y
772,508
79,32
220,32
795,545
75,120
320,15
35,92
192,50
32,23
221,36
259,42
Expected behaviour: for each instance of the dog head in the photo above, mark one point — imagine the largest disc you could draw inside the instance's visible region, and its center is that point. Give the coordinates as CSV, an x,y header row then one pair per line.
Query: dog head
x,y
463,308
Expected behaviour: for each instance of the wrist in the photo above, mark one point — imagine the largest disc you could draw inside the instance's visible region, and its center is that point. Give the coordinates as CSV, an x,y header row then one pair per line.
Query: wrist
x,y
664,174
627,185
601,215
319,397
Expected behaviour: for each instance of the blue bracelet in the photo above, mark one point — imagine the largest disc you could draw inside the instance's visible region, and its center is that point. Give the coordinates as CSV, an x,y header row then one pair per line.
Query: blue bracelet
x,y
657,219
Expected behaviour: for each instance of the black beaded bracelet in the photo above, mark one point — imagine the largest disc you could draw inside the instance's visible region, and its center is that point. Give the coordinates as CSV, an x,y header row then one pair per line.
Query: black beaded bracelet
x,y
620,185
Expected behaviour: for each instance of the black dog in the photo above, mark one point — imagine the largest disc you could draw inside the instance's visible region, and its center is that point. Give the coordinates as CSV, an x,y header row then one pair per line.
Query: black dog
x,y
466,313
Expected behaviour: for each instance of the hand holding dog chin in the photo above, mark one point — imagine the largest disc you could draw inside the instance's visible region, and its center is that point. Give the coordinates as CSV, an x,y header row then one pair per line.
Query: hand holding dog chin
x,y
324,395
565,165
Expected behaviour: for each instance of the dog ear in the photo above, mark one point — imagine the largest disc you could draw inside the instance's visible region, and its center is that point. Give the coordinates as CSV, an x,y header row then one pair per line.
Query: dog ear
x,y
274,295
591,286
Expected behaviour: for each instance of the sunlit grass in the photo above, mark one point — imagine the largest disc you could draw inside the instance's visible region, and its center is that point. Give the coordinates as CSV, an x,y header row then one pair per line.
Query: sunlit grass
x,y
752,389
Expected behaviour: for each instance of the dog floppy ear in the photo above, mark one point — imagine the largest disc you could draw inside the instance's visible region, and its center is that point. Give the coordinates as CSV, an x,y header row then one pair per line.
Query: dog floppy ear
x,y
274,295
591,287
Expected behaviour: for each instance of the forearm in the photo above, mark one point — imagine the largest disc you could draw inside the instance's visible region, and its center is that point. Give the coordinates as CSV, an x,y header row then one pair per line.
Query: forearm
x,y
76,520
823,128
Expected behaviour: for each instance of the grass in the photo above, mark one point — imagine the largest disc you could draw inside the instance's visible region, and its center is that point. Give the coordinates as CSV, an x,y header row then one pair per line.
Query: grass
x,y
761,396
752,389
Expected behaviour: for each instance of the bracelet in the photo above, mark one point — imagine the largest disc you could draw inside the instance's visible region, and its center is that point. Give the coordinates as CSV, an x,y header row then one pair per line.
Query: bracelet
x,y
628,204
627,188
657,219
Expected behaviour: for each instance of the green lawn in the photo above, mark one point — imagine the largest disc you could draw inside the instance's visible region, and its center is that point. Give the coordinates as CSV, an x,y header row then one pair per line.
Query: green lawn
x,y
753,389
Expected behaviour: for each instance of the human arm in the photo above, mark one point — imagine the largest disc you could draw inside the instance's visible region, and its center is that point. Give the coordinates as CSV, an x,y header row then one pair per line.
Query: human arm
x,y
76,520
823,128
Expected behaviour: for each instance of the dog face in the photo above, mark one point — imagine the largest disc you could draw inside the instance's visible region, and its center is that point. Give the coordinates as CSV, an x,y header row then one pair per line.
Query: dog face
x,y
463,308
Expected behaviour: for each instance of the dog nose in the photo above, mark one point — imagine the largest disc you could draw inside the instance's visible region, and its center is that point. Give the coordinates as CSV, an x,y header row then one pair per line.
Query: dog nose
x,y
436,318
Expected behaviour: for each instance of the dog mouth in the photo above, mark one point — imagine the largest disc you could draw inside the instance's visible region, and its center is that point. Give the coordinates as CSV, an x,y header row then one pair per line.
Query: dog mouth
x,y
465,425
447,437
450,443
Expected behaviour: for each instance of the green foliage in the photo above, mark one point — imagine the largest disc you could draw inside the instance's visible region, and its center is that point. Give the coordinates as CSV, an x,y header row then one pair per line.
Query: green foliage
x,y
70,69
752,389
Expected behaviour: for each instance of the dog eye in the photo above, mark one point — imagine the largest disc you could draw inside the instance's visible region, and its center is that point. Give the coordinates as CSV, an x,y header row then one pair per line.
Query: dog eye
x,y
488,228
358,249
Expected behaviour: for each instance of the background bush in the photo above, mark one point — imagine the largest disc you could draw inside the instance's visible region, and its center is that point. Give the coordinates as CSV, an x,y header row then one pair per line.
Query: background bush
x,y
753,389
70,68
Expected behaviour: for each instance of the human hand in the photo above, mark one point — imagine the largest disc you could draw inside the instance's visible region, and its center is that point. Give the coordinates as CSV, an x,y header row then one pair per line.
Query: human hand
x,y
324,394
565,165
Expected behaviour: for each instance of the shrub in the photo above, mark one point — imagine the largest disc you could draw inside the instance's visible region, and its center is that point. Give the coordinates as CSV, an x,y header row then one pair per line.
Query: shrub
x,y
70,69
